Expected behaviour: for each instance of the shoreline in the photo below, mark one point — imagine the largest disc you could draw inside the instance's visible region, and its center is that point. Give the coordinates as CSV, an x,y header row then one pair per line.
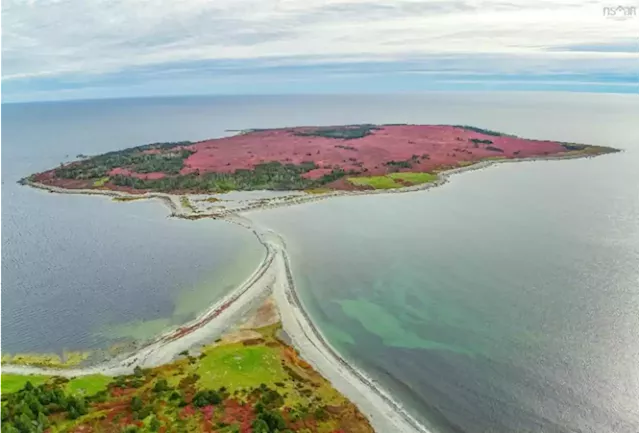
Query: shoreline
x,y
213,321
178,210
273,275
384,412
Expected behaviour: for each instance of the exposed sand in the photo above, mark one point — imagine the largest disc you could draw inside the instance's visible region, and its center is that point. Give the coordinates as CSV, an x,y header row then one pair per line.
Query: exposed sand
x,y
267,314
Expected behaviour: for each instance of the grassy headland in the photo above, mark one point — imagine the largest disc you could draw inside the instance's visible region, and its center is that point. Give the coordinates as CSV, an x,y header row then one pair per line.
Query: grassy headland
x,y
255,383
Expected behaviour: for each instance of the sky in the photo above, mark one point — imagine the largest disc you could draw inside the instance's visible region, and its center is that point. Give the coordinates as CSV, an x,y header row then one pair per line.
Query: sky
x,y
86,49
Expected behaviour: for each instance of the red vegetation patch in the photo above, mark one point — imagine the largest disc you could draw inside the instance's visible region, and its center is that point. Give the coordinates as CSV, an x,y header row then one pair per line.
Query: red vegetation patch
x,y
187,412
381,150
444,145
127,172
236,413
316,173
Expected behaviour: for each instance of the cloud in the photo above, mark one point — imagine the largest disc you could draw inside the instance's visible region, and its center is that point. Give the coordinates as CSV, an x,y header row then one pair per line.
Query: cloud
x,y
95,41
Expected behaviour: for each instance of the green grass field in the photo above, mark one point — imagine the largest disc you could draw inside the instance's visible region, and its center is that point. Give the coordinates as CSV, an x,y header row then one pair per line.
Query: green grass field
x,y
15,382
393,180
414,178
236,366
88,385
100,182
375,182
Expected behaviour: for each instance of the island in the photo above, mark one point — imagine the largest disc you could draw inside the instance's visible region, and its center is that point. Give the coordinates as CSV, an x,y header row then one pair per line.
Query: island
x,y
312,159
228,371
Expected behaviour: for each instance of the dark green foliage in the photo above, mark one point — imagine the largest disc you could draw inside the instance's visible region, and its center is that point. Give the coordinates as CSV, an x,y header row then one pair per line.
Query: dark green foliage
x,y
321,414
136,404
166,161
27,409
494,149
335,174
348,132
206,398
399,164
478,141
270,175
161,385
483,131
342,146
154,424
271,399
573,146
267,420
143,413
259,426
99,397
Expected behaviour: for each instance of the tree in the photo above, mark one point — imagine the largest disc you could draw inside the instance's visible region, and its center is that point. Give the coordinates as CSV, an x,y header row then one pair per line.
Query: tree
x,y
73,413
161,385
136,404
260,426
206,398
43,422
7,427
274,420
154,424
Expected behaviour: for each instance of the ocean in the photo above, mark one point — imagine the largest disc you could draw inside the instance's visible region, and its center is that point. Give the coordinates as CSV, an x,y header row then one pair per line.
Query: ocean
x,y
87,273
503,301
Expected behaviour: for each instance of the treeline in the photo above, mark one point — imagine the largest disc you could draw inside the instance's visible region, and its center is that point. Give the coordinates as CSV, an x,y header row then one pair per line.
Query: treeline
x,y
348,132
166,161
478,141
26,411
407,163
483,131
268,176
573,146
48,408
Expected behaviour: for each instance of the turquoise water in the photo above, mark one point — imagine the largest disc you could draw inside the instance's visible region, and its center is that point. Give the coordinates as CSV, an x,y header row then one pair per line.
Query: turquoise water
x,y
505,300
